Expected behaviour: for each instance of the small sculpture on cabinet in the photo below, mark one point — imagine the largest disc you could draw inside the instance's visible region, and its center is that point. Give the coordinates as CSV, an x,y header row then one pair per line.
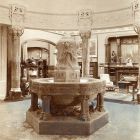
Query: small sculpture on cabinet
x,y
113,57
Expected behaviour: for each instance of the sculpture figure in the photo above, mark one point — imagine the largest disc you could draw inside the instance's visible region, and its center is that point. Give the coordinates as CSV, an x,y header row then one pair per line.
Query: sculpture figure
x,y
129,62
113,57
67,54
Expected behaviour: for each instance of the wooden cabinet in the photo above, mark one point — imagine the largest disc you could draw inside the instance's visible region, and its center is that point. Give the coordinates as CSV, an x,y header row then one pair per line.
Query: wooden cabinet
x,y
120,48
116,72
42,68
93,71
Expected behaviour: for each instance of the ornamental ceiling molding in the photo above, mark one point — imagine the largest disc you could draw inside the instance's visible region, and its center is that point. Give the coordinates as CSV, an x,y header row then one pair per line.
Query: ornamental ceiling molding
x,y
59,22
117,36
52,21
70,14
17,16
40,40
85,20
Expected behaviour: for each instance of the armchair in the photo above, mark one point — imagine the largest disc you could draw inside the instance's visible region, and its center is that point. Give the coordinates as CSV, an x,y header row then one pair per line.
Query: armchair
x,y
109,84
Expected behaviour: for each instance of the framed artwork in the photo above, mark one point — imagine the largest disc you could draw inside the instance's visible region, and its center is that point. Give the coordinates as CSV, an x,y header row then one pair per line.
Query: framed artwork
x,y
80,49
92,46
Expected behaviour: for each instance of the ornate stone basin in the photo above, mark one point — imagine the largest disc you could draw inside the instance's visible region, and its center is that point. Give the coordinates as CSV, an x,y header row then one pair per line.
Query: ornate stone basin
x,y
65,98
67,93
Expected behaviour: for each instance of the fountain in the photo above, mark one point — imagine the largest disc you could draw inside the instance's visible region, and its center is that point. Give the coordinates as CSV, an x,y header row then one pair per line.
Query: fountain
x,y
67,100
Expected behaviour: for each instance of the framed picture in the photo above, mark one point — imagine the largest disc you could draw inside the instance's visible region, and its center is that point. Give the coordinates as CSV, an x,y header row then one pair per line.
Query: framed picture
x,y
93,47
80,49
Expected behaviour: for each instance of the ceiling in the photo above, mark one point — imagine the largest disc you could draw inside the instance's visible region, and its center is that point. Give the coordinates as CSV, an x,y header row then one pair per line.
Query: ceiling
x,y
69,6
63,14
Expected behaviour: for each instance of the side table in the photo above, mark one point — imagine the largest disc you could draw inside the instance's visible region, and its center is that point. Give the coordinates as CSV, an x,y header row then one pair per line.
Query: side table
x,y
124,86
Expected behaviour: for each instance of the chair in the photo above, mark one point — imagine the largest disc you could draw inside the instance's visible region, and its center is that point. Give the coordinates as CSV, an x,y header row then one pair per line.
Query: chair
x,y
109,84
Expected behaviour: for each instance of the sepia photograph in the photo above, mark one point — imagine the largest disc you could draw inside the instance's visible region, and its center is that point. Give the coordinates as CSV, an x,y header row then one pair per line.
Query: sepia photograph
x,y
70,70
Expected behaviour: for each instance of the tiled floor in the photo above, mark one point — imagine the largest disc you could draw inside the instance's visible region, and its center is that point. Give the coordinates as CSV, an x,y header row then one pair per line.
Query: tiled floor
x,y
124,123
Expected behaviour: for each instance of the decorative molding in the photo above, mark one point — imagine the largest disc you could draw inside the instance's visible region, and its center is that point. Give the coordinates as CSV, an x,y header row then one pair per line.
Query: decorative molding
x,y
17,16
85,19
52,21
135,5
68,14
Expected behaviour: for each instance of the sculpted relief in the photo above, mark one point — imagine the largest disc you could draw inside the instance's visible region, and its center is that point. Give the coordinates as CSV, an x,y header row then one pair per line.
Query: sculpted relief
x,y
67,54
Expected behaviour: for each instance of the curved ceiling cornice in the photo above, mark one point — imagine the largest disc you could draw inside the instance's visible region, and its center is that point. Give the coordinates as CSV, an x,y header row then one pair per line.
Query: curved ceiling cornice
x,y
119,17
40,40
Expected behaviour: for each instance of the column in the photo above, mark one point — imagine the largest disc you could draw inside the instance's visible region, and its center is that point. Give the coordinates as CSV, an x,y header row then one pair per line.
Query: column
x,y
85,36
46,108
100,102
85,108
107,53
118,49
9,57
24,52
3,60
34,102
137,30
139,56
15,91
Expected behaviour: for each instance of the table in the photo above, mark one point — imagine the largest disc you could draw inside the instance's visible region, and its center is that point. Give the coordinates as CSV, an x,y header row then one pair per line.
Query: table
x,y
124,86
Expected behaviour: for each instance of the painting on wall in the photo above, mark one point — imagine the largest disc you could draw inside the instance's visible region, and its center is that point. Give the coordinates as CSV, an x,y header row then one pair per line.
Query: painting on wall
x,y
92,46
130,51
79,49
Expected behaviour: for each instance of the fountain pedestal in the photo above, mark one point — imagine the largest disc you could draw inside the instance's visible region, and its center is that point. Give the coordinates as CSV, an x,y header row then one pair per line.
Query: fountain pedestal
x,y
84,121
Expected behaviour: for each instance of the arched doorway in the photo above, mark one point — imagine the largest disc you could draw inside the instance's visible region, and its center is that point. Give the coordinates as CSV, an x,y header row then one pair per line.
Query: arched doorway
x,y
36,56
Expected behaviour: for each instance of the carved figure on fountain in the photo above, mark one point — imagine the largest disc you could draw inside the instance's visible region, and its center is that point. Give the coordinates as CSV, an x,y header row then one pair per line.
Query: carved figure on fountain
x,y
67,64
67,53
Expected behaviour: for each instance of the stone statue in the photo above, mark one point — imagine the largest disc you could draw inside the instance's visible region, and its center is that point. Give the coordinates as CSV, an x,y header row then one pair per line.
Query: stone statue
x,y
67,53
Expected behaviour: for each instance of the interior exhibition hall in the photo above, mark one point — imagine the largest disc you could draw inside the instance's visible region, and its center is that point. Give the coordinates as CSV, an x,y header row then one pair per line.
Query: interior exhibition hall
x,y
69,69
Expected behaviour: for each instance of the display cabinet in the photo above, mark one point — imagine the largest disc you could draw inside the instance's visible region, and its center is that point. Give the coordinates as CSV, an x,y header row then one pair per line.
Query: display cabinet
x,y
122,73
93,71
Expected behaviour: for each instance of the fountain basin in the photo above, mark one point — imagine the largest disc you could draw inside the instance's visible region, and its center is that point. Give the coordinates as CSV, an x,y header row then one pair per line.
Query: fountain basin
x,y
68,95
86,86
65,93
65,98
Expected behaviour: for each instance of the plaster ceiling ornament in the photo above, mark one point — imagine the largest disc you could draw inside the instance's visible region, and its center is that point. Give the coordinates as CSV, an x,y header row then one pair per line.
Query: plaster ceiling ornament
x,y
136,15
17,16
85,19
